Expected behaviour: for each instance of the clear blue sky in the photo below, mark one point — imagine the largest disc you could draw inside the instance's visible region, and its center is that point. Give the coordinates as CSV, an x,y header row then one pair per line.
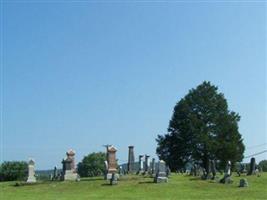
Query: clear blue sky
x,y
80,75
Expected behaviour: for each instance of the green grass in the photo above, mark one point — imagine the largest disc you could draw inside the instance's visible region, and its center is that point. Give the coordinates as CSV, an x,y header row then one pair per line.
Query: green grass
x,y
137,187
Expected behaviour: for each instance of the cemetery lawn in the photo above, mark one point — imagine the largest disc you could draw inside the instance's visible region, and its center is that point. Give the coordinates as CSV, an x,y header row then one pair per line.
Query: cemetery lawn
x,y
137,187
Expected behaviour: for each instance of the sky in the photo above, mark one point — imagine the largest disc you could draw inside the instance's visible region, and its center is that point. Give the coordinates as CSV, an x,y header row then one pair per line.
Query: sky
x,y
84,74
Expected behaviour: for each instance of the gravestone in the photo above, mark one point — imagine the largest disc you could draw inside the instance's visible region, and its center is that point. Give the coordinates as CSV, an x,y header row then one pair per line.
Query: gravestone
x,y
146,164
69,170
112,164
227,174
55,174
31,172
161,176
141,165
153,167
131,159
243,182
213,169
252,166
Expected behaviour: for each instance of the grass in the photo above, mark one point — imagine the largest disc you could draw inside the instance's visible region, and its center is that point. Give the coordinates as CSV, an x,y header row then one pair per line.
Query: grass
x,y
138,187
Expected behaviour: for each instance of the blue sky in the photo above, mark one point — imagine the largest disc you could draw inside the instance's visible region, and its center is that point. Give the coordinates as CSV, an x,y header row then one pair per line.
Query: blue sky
x,y
80,75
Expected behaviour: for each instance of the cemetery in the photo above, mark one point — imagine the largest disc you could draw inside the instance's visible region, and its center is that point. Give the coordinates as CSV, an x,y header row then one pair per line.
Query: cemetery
x,y
133,100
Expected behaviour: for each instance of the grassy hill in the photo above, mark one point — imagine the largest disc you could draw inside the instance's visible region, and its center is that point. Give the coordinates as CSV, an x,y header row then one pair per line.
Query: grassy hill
x,y
137,187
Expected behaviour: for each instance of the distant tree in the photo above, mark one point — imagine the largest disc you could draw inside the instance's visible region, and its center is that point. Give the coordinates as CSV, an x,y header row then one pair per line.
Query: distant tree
x,y
92,165
263,165
201,128
13,170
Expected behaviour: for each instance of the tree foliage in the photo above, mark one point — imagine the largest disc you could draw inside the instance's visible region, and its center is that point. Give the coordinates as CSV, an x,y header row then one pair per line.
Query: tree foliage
x,y
13,170
263,165
92,165
201,128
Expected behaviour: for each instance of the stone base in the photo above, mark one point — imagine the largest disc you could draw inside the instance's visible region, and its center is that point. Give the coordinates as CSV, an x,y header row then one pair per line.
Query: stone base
x,y
160,179
71,176
31,179
226,180
109,176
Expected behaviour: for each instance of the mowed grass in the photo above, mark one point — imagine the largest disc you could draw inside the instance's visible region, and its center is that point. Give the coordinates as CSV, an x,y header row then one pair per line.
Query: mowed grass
x,y
138,187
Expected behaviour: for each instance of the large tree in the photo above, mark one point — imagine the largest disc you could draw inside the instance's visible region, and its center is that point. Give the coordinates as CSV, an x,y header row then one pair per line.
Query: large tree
x,y
201,129
92,165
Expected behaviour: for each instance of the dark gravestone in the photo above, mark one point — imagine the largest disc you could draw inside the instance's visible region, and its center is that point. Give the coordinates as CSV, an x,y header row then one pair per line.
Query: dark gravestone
x,y
153,167
146,164
252,166
243,182
131,159
213,169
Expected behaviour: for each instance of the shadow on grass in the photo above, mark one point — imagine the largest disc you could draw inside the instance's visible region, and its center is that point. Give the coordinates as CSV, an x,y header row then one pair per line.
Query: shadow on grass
x,y
146,182
92,179
195,179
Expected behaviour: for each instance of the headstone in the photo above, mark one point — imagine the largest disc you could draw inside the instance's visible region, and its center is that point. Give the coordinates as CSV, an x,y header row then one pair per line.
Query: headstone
x,y
55,174
227,174
243,182
146,164
131,159
213,169
140,163
31,172
114,179
161,175
168,171
69,170
252,166
112,164
153,167
106,169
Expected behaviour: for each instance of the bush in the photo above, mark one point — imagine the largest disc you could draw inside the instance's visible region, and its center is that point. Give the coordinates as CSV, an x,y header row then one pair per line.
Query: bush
x,y
13,171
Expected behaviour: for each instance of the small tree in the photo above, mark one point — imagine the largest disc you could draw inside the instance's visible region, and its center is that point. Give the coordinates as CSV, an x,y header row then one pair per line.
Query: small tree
x,y
13,170
92,165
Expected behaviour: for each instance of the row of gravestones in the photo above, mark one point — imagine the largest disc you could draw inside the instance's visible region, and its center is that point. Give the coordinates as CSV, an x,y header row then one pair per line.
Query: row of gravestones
x,y
227,173
68,169
157,170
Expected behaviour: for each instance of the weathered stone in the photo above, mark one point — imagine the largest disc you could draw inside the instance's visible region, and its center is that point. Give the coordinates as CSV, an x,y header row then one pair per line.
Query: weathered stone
x,y
243,182
131,159
31,172
161,173
252,167
227,174
112,174
141,165
69,170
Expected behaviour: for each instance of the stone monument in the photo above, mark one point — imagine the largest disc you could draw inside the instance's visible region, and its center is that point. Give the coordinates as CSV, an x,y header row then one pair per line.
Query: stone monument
x,y
153,167
69,170
131,160
147,161
141,165
213,169
161,175
252,166
243,182
227,174
31,173
112,174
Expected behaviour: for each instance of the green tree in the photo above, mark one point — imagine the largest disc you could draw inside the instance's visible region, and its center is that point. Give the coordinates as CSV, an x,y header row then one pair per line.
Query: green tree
x,y
263,165
13,170
201,128
92,165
